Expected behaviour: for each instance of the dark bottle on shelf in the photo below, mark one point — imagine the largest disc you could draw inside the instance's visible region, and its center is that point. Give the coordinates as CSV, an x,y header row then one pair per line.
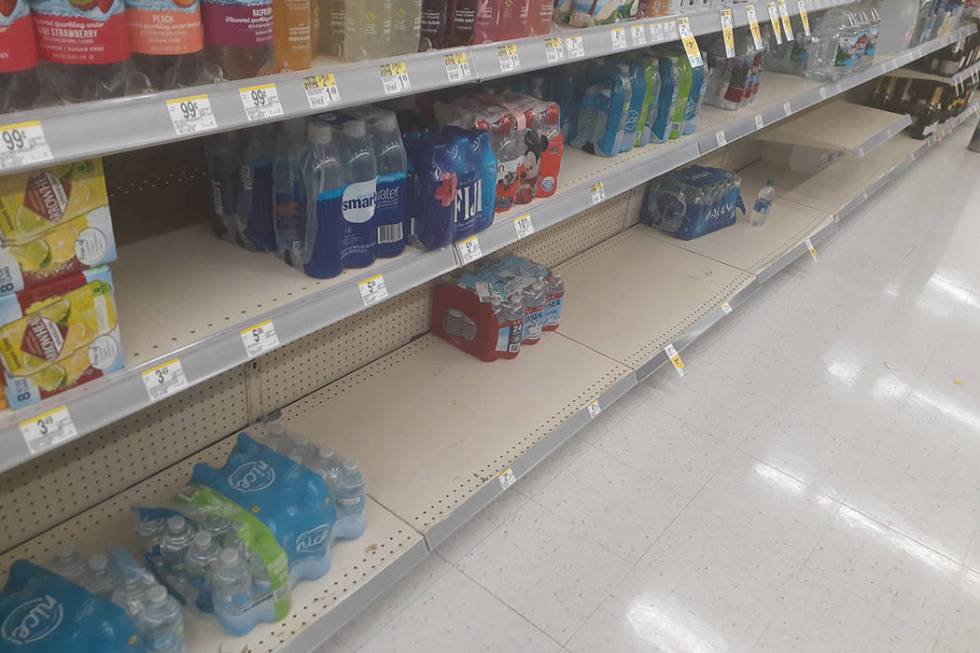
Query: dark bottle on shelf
x,y
925,116
888,96
18,57
905,101
167,40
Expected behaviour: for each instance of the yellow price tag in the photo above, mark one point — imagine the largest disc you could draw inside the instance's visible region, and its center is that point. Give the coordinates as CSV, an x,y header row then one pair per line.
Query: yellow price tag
x,y
690,45
804,18
754,26
727,32
675,359
777,32
784,16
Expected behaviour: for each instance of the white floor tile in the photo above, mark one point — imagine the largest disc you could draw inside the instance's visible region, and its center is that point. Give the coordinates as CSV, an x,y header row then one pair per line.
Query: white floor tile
x,y
961,629
481,525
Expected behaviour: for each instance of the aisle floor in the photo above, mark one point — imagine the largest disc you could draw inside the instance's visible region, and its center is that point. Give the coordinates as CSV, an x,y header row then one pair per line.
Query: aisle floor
x,y
812,483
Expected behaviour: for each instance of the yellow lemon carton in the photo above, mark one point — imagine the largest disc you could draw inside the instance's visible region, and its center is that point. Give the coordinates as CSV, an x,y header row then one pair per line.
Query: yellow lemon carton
x,y
33,203
59,335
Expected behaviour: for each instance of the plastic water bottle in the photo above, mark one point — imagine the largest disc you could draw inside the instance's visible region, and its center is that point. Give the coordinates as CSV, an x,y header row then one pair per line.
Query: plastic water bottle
x,y
69,564
763,203
256,225
99,578
328,466
350,502
231,583
534,302
392,162
325,180
288,190
216,525
161,623
360,239
130,596
556,301
176,539
201,555
150,531
224,153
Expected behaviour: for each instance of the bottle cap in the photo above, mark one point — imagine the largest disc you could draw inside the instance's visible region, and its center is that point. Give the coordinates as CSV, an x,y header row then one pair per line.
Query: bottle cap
x,y
176,523
230,557
355,128
350,465
320,133
65,552
202,539
98,563
156,594
387,120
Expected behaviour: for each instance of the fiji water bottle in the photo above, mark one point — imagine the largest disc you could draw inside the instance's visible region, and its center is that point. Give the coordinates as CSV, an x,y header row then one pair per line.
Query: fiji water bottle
x,y
161,624
99,578
535,300
360,240
176,539
288,190
325,180
487,161
202,554
256,225
763,203
469,196
350,502
231,584
130,596
389,209
555,301
69,564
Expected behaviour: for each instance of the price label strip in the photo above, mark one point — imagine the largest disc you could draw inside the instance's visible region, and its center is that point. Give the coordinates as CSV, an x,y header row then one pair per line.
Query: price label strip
x,y
23,144
670,30
690,44
523,225
639,35
321,91
469,249
372,289
394,78
657,32
598,192
810,248
727,32
458,66
164,379
261,101
48,430
594,408
575,46
507,478
191,114
508,58
774,22
553,49
618,36
753,19
784,16
804,17
260,338
675,359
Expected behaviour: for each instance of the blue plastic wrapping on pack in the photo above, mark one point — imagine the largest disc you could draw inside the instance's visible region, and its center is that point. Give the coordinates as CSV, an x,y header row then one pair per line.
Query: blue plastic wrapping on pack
x,y
699,80
692,201
603,112
41,612
666,101
638,91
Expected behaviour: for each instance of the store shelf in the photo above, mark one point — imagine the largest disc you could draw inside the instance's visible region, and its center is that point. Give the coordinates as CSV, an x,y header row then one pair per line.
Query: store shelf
x,y
470,421
186,295
960,78
360,569
838,126
104,127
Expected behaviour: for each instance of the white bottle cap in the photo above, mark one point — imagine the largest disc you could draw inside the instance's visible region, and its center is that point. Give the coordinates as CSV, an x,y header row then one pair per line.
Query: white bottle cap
x,y
320,133
98,563
229,557
65,552
176,523
202,539
355,128
156,594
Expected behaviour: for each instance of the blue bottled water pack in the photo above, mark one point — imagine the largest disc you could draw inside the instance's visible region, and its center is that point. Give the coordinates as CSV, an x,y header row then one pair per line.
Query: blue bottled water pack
x,y
638,91
43,612
666,101
604,112
699,80
692,201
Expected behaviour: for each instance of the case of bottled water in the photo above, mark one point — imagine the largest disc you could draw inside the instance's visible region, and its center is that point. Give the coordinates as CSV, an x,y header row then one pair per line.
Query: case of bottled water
x,y
692,201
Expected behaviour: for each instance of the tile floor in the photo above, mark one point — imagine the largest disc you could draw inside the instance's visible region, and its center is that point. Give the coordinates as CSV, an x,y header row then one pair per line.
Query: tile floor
x,y
812,484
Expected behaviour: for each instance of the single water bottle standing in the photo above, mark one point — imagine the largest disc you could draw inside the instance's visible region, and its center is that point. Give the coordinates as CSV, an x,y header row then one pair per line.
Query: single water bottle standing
x,y
349,500
256,226
69,564
231,584
763,203
175,541
99,577
360,239
202,554
161,623
288,191
389,209
325,179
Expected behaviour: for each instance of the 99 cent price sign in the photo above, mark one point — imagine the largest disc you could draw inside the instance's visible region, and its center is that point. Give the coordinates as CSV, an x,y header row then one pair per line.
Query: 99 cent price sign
x,y
191,114
261,101
23,144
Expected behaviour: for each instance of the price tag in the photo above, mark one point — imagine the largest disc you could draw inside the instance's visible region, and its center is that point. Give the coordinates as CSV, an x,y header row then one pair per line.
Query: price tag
x,y
321,90
774,22
810,248
191,114
372,289
164,379
458,66
753,19
784,16
675,358
725,306
787,108
727,32
720,138
759,123
261,101
690,45
594,408
394,78
639,35
618,36
260,338
553,49
48,430
575,46
670,30
823,93
508,58
23,144
598,192
657,32
507,478
469,249
804,17
523,225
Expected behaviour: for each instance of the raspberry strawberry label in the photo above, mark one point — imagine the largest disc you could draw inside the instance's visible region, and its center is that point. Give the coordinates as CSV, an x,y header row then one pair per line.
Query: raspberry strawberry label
x,y
81,31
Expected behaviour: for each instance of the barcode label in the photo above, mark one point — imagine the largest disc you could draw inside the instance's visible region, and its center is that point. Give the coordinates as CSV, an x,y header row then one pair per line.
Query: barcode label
x,y
390,233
